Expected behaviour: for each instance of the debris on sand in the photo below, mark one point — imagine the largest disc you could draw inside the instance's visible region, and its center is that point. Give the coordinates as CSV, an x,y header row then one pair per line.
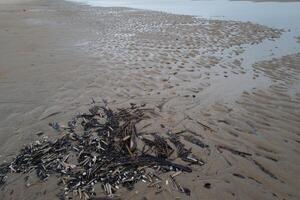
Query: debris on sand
x,y
207,185
195,141
103,147
233,151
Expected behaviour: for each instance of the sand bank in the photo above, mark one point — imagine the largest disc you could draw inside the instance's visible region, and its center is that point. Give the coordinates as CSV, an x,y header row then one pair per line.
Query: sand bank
x,y
56,56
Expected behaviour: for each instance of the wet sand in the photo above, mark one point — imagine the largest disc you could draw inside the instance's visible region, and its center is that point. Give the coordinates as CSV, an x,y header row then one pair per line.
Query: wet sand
x,y
56,56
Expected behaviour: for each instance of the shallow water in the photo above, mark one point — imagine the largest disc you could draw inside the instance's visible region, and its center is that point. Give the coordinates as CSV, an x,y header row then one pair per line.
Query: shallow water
x,y
276,14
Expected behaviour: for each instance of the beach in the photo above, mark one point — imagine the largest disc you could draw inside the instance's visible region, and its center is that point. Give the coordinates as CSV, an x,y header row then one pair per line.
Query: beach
x,y
56,57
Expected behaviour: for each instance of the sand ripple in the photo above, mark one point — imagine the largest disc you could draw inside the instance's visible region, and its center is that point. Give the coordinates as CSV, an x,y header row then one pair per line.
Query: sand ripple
x,y
56,56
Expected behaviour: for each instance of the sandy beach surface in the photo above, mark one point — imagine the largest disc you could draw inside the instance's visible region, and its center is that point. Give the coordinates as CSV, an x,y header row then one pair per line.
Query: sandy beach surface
x,y
56,56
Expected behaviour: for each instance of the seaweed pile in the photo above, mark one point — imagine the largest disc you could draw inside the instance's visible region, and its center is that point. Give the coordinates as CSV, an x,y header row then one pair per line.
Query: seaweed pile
x,y
103,147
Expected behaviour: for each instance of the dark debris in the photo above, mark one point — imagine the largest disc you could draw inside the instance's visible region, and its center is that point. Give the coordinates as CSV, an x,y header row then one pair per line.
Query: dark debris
x,y
102,147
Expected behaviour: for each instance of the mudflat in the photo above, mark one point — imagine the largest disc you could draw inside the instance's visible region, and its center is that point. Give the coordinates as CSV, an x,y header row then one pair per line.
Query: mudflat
x,y
56,56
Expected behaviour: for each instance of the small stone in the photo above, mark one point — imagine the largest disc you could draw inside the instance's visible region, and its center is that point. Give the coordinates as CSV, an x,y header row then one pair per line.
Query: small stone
x,y
207,185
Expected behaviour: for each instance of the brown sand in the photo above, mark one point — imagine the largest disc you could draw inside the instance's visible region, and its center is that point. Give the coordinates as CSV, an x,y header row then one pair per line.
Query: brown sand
x,y
265,123
56,56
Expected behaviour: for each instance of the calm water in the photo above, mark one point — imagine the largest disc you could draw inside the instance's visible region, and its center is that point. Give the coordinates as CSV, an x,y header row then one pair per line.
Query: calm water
x,y
276,14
